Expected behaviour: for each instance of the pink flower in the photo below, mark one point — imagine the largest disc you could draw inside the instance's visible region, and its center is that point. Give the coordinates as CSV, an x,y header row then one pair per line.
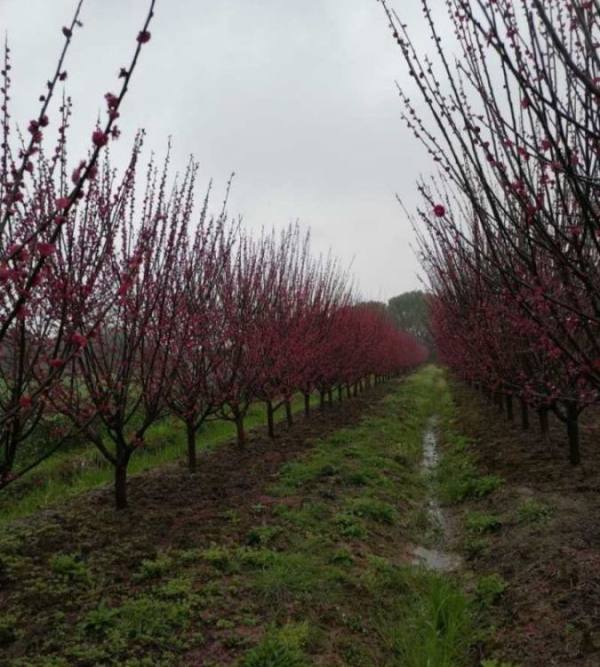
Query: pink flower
x,y
56,363
66,31
46,249
143,37
112,101
439,211
25,401
100,138
62,203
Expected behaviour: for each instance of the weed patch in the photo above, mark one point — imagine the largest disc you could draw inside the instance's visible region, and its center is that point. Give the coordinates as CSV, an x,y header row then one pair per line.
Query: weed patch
x,y
479,522
489,589
281,648
534,511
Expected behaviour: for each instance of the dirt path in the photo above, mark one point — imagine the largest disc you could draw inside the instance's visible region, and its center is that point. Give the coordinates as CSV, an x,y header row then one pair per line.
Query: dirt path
x,y
542,537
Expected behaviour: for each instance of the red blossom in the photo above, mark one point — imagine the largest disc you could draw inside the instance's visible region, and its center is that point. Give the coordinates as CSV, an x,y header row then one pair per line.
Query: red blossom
x,y
46,249
79,339
439,211
99,138
112,100
143,36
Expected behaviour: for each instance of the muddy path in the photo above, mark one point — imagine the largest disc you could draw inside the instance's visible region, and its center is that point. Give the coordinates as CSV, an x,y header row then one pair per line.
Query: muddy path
x,y
437,555
543,538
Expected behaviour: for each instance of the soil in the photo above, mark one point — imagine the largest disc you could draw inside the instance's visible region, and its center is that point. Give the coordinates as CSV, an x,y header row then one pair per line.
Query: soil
x,y
168,508
550,612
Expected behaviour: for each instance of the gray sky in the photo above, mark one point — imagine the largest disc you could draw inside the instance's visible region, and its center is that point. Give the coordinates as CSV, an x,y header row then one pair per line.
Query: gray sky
x,y
297,98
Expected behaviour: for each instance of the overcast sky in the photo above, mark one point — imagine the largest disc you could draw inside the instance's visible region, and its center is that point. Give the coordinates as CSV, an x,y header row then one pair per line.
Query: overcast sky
x,y
298,98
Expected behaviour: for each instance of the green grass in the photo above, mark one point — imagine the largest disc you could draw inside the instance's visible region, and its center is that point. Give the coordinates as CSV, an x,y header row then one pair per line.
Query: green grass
x,y
281,647
74,471
432,623
318,577
333,557
457,476
489,589
533,511
481,522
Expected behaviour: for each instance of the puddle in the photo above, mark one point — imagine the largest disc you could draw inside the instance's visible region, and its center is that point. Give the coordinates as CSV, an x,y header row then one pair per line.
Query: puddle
x,y
435,559
442,561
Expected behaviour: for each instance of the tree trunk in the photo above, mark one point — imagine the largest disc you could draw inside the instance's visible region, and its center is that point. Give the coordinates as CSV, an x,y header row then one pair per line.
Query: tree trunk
x,y
121,485
288,413
239,428
270,420
509,407
355,389
330,397
544,425
306,405
348,391
191,447
573,432
524,415
340,395
321,399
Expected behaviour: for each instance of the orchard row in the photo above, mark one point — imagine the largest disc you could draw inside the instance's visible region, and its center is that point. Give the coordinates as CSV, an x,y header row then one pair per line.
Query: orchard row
x,y
124,301
510,229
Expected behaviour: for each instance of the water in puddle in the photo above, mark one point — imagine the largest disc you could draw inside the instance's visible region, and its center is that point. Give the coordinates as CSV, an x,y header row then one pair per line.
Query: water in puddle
x,y
435,559
443,561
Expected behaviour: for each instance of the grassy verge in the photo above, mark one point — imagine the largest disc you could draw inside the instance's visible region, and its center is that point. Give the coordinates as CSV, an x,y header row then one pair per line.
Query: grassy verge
x,y
70,473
